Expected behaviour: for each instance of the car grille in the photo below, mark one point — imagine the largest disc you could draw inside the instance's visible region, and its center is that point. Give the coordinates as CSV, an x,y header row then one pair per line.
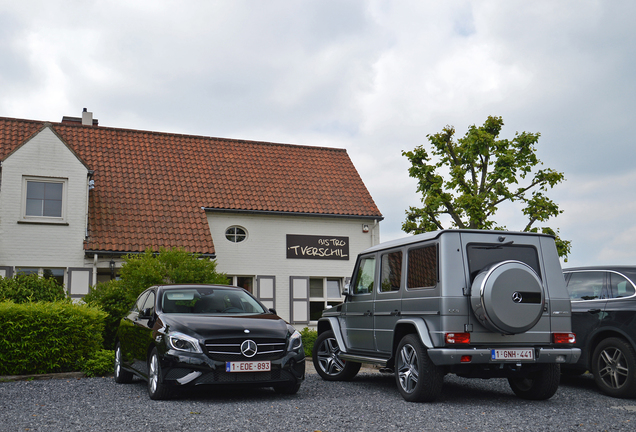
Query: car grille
x,y
218,376
230,349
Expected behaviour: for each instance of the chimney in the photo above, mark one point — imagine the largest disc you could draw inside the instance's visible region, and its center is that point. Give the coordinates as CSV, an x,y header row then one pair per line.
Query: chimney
x,y
87,118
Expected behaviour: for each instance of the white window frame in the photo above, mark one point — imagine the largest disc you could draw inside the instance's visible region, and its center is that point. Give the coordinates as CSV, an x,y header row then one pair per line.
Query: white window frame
x,y
44,219
325,299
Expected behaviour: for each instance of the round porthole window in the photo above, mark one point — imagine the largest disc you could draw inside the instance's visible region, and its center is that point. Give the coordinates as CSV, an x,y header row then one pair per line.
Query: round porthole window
x,y
235,234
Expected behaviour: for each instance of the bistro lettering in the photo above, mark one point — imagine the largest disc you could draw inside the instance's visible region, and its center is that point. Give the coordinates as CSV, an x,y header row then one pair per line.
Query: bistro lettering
x,y
317,247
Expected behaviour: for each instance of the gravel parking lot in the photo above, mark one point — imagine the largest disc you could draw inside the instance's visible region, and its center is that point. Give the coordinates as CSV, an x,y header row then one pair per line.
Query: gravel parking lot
x,y
369,402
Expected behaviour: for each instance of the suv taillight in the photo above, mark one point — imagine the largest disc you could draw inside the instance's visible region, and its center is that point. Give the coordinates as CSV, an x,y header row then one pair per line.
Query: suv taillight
x,y
564,338
457,338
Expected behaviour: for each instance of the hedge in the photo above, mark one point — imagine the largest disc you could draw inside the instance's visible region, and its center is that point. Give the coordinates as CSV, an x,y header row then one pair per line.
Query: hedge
x,y
48,337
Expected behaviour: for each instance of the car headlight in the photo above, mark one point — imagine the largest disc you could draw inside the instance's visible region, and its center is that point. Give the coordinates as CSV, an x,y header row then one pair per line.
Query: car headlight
x,y
295,341
183,342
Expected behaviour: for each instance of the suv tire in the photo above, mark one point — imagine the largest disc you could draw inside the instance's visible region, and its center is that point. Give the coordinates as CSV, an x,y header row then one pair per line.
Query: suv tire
x,y
326,361
614,368
538,385
417,378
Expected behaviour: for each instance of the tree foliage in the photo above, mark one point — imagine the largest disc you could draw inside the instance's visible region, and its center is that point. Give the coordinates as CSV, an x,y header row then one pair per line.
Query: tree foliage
x,y
143,271
483,172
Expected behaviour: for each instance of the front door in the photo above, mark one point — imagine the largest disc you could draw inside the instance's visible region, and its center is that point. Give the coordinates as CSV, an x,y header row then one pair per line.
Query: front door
x,y
358,308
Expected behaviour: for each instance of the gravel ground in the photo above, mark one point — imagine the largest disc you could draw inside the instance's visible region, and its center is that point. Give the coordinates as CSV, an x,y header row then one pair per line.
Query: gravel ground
x,y
369,402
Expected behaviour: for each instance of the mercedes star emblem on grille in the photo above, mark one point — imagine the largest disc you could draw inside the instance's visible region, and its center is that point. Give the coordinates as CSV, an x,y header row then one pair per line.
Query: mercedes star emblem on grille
x,y
517,297
249,348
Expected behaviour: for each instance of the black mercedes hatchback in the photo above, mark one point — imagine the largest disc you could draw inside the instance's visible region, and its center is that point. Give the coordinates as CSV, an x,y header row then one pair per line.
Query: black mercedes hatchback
x,y
604,320
177,336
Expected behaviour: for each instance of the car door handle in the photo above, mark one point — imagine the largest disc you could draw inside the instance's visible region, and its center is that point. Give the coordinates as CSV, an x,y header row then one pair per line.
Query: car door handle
x,y
368,313
594,311
395,313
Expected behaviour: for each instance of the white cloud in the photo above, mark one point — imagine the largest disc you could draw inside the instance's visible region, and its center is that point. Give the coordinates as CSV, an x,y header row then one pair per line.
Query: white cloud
x,y
373,77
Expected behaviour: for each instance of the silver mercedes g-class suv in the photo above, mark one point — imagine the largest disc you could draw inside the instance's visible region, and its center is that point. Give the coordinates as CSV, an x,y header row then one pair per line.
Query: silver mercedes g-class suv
x,y
482,304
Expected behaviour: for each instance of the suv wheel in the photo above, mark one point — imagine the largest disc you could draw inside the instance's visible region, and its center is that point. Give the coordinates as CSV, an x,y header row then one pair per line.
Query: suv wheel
x,y
417,378
614,366
538,385
326,361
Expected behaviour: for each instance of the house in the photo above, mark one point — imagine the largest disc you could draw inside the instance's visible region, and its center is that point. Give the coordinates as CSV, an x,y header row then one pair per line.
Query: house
x,y
284,221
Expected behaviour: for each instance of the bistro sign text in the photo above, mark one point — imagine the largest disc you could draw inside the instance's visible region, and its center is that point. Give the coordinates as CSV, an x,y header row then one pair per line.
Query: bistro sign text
x,y
317,247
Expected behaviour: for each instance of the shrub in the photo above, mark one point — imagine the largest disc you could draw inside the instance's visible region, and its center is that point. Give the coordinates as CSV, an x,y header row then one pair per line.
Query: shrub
x,y
30,288
99,364
309,337
143,271
114,299
47,337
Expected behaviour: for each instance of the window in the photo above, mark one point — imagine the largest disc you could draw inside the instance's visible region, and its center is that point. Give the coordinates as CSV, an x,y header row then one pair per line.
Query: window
x,y
422,267
44,198
481,256
620,286
365,276
391,271
235,234
48,273
586,285
323,293
246,282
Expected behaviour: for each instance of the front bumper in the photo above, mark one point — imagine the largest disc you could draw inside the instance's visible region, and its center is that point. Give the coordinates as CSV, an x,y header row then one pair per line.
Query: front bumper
x,y
187,369
452,356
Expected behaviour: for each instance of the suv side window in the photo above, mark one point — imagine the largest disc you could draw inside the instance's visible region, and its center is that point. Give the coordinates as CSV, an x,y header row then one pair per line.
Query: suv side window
x,y
620,287
422,267
586,285
365,276
391,271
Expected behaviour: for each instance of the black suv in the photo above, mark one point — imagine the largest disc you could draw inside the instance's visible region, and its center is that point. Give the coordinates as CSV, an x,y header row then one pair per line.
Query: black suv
x,y
604,320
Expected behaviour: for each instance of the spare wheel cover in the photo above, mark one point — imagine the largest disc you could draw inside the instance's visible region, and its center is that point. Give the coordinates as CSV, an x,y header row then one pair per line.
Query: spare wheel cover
x,y
508,297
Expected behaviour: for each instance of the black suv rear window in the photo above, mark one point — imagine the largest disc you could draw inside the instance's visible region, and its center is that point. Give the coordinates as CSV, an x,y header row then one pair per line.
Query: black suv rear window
x,y
481,256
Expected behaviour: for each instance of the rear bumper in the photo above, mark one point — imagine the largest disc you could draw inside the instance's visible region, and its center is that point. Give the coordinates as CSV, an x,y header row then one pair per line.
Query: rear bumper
x,y
453,356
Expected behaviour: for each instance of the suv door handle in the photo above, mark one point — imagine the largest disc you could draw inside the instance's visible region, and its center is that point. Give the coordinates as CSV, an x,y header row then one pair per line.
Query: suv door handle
x,y
395,313
367,313
594,311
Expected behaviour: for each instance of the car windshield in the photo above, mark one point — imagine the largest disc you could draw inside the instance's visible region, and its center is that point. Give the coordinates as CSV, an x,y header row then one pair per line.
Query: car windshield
x,y
204,300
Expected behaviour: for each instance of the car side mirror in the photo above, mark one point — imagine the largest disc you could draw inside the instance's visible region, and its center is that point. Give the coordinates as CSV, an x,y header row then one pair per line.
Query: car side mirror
x,y
145,313
272,310
346,291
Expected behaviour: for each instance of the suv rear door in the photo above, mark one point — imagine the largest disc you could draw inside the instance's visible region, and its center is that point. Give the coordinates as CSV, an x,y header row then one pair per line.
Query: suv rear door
x,y
388,298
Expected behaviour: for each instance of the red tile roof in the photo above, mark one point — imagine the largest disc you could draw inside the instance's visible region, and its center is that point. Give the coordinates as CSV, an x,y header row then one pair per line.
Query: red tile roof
x,y
150,187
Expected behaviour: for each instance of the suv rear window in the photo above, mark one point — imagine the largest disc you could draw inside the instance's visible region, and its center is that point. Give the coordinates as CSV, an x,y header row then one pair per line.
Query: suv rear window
x,y
481,256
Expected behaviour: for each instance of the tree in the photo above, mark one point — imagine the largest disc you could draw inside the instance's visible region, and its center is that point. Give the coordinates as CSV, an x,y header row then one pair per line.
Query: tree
x,y
482,173
143,271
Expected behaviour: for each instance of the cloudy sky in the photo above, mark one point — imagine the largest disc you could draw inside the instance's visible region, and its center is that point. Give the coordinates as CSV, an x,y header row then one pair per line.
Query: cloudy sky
x,y
373,77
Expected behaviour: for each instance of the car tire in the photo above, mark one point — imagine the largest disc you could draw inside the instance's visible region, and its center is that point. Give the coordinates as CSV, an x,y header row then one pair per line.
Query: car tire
x,y
537,385
121,376
614,368
288,389
326,361
417,378
156,389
